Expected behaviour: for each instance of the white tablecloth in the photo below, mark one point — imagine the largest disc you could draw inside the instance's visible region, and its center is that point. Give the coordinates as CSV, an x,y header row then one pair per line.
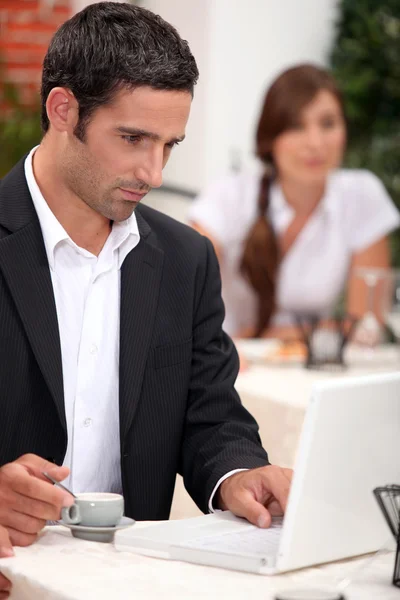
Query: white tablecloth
x,y
278,396
60,567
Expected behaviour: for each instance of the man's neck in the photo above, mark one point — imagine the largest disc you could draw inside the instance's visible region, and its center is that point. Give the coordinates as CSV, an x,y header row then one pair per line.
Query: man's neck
x,y
87,228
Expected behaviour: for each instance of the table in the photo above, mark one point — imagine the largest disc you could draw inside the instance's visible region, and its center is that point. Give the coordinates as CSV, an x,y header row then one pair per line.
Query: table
x,y
278,396
60,567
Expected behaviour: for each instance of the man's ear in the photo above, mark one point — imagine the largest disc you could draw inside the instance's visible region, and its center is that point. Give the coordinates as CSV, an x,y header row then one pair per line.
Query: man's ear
x,y
62,109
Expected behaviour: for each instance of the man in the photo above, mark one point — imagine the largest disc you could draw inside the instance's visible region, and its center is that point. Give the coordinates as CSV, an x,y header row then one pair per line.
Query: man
x,y
114,362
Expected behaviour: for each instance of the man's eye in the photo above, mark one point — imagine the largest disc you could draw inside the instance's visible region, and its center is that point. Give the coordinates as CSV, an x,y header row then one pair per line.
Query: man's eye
x,y
131,139
172,144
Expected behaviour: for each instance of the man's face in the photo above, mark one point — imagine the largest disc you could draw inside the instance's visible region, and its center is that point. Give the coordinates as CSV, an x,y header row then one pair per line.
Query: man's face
x,y
126,146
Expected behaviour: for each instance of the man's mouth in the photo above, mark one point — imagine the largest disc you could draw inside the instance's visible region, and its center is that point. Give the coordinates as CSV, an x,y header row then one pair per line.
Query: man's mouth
x,y
132,196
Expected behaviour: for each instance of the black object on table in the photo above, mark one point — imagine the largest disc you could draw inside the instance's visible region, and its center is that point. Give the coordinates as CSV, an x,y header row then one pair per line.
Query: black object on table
x,y
388,498
325,343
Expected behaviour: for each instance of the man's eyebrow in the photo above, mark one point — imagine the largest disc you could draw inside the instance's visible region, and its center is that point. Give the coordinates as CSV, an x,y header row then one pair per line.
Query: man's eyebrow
x,y
146,134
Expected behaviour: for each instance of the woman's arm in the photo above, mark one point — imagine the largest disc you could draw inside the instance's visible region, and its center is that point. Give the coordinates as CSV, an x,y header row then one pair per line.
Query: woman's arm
x,y
217,245
375,256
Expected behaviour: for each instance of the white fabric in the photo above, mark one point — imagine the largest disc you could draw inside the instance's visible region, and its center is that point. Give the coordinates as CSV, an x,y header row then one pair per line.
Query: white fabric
x,y
60,567
87,295
210,502
355,212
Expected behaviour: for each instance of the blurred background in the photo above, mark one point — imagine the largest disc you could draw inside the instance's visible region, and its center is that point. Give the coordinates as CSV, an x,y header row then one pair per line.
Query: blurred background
x,y
240,48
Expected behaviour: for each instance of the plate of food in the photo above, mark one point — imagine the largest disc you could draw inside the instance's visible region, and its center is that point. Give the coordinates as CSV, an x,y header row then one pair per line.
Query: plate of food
x,y
288,352
257,350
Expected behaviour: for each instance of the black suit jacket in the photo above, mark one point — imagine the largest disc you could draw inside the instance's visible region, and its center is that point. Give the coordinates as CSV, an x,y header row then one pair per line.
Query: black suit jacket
x,y
179,411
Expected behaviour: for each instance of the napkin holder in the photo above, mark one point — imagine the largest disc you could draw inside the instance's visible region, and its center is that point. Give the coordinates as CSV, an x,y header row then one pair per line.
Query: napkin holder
x,y
325,342
388,498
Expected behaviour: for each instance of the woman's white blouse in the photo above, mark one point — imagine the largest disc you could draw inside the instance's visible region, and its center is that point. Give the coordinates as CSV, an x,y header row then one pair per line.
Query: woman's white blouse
x,y
355,212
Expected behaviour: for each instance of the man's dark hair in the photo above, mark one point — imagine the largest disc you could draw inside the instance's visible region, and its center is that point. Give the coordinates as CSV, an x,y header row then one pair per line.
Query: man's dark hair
x,y
109,46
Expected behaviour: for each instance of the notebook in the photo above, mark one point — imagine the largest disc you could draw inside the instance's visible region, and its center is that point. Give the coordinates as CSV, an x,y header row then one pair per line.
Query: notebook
x,y
349,445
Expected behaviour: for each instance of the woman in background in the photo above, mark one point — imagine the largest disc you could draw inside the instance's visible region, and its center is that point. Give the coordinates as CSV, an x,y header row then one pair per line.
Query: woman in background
x,y
290,238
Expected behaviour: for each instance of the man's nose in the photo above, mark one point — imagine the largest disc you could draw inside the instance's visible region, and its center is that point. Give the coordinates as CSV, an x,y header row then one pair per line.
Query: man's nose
x,y
150,170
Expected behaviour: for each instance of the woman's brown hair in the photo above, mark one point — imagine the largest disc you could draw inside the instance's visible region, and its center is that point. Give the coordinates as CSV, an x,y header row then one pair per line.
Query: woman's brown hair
x,y
284,101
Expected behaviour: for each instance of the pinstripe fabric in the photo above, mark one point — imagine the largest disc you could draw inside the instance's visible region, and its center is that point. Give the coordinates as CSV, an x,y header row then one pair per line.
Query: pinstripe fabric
x,y
178,408
32,408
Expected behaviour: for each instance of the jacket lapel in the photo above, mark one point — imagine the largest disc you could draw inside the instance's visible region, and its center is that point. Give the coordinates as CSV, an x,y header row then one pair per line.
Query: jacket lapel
x,y
140,282
24,265
23,262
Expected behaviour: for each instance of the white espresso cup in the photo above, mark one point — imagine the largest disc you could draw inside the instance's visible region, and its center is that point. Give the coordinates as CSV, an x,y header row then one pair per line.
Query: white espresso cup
x,y
94,509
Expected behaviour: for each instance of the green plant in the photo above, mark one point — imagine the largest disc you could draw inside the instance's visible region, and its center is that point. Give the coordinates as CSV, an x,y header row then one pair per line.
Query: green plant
x,y
19,127
366,63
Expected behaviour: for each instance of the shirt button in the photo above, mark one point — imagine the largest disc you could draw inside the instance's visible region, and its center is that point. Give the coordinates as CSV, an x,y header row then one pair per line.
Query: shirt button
x,y
93,349
87,422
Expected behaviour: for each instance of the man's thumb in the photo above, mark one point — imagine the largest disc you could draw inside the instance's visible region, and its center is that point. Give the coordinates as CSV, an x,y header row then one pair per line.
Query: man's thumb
x,y
6,550
256,513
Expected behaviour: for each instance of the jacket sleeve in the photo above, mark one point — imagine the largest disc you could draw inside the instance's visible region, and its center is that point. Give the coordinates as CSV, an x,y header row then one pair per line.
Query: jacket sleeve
x,y
220,434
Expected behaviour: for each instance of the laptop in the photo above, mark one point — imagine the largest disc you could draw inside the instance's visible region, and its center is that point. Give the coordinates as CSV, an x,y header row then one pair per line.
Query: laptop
x,y
350,444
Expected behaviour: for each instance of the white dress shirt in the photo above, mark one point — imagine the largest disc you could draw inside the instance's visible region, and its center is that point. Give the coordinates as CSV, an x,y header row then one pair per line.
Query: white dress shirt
x,y
87,295
355,212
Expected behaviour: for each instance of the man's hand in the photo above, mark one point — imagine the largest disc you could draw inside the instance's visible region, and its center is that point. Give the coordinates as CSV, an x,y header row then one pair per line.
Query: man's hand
x,y
28,500
6,551
256,494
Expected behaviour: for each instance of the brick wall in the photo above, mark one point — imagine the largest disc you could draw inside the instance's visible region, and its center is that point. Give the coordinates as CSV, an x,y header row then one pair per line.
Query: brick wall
x,y
26,27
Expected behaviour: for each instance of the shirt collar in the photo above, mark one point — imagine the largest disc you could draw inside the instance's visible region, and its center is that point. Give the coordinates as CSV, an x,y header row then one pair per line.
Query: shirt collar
x,y
52,230
282,213
123,238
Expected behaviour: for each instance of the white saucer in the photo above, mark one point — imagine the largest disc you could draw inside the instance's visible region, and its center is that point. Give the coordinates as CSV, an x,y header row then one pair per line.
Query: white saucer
x,y
97,534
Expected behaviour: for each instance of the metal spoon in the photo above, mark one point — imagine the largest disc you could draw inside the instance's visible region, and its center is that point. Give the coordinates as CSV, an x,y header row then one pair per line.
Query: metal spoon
x,y
57,483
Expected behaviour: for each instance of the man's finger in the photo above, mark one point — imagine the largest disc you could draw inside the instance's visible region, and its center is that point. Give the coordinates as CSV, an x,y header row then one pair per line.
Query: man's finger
x,y
245,505
22,522
5,587
277,483
6,551
274,508
36,465
288,473
21,539
27,485
35,508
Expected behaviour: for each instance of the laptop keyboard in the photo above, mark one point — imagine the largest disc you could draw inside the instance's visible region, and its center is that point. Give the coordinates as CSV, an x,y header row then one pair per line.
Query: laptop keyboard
x,y
253,541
